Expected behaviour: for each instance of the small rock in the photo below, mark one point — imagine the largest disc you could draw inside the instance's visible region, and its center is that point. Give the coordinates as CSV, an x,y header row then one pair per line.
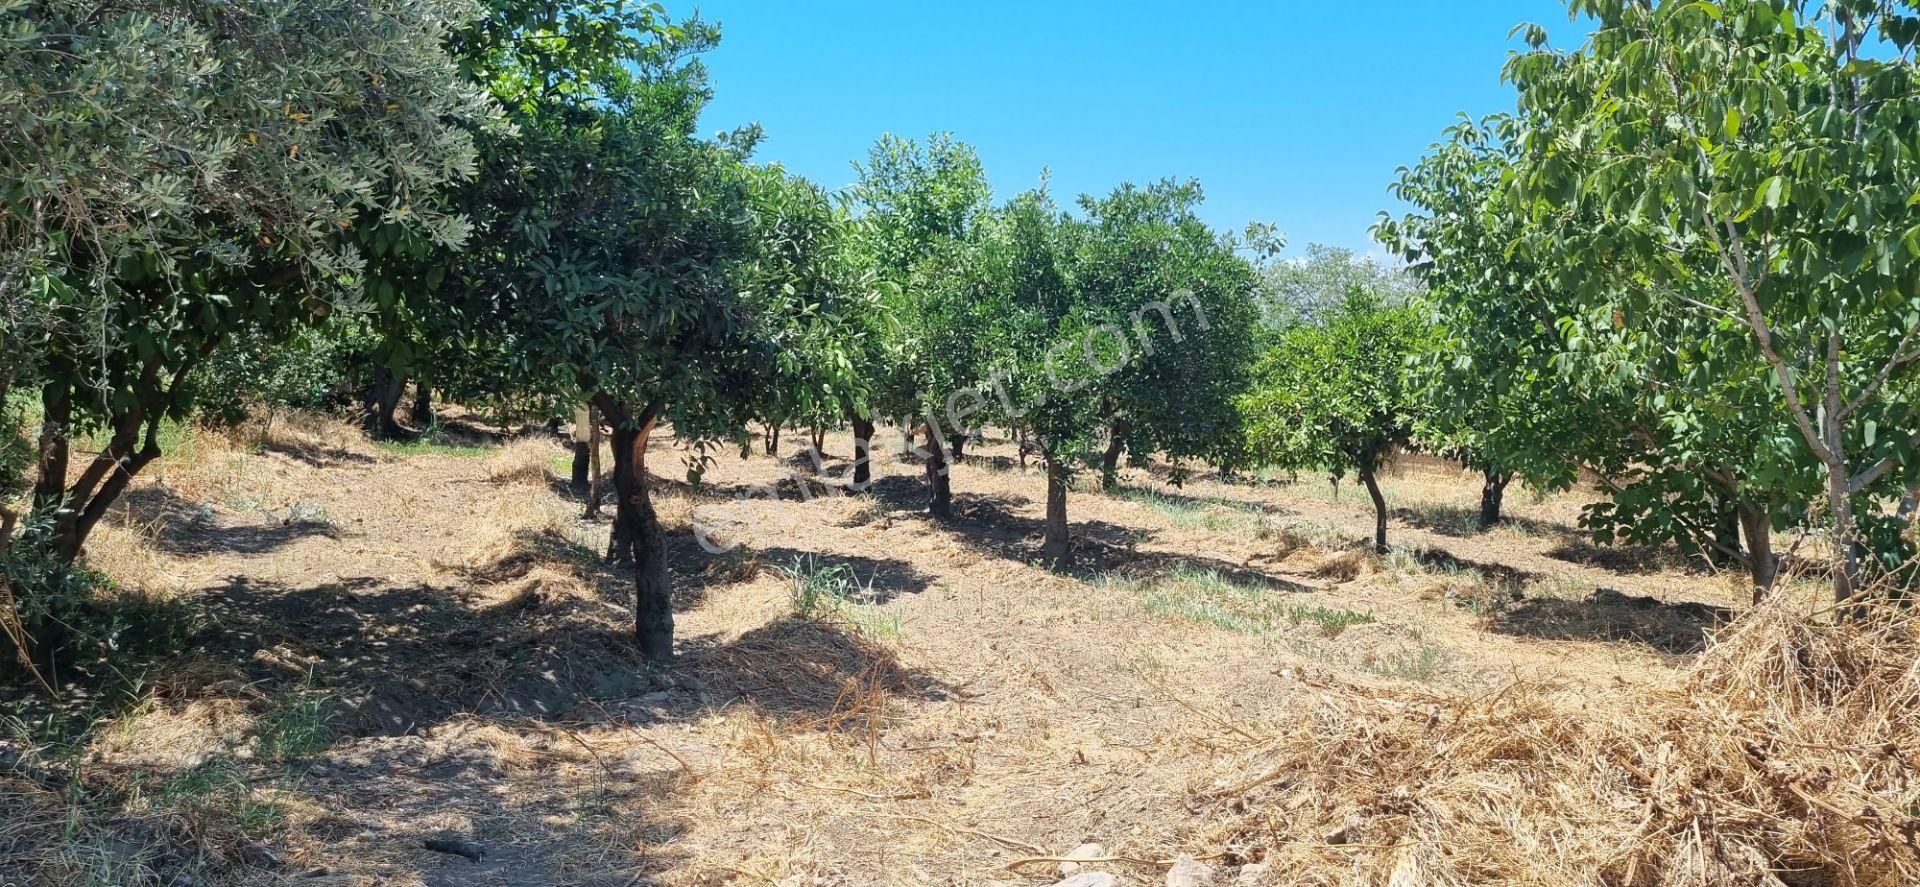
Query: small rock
x,y
1089,879
1189,872
1084,851
1254,874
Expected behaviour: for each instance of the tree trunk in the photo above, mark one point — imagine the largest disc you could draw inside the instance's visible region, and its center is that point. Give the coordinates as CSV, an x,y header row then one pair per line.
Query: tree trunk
x,y
1110,460
1846,573
646,543
597,483
940,491
382,400
1020,445
582,449
1756,523
422,405
820,439
1056,549
773,438
1379,511
1493,493
959,446
862,455
56,424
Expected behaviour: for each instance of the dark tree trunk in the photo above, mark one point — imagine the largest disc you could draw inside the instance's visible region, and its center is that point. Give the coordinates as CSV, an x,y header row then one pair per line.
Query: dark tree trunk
x,y
1020,445
773,438
597,482
959,446
1110,460
1056,548
1379,511
819,439
582,466
382,401
940,491
862,455
56,424
1756,524
423,405
1493,493
645,542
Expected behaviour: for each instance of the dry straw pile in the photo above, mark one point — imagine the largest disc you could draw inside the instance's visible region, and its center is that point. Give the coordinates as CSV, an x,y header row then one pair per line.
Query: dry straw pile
x,y
1785,756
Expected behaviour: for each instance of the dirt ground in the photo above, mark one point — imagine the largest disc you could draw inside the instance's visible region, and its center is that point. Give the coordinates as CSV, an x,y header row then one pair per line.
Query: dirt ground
x,y
437,621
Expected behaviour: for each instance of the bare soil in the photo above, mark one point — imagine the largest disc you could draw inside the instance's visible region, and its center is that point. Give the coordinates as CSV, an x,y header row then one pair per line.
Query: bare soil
x,y
445,609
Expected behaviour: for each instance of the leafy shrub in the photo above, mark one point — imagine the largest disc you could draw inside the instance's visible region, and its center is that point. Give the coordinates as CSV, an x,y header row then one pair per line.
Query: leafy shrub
x,y
77,618
322,367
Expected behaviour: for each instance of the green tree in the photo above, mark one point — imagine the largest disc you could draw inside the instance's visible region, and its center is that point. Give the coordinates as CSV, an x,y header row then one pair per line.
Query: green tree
x,y
1135,321
549,64
1034,354
922,210
1528,375
1304,290
1179,305
1340,396
1748,167
173,171
805,249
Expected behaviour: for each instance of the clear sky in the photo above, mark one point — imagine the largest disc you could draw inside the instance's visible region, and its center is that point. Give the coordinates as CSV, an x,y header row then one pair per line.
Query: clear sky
x,y
1286,111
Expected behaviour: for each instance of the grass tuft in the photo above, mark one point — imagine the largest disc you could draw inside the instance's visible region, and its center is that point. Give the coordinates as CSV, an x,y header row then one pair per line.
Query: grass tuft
x,y
1211,597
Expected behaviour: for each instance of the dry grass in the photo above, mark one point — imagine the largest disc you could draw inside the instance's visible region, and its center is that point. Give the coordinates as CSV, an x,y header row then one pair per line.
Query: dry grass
x,y
1262,689
1784,756
522,461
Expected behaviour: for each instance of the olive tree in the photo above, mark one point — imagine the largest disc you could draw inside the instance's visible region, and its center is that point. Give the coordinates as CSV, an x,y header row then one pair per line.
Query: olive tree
x,y
173,170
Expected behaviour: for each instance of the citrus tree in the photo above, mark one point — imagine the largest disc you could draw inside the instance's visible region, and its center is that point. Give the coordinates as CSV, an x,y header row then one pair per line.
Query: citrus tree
x,y
1033,352
1340,396
922,209
1182,303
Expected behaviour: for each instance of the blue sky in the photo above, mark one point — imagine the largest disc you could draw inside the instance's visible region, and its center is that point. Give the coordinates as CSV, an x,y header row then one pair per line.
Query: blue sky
x,y
1291,112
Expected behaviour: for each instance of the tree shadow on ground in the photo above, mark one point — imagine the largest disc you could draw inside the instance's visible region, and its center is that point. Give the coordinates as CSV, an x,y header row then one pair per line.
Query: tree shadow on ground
x,y
1461,521
314,454
1100,549
1625,560
877,580
438,694
1156,497
1510,579
182,527
1678,627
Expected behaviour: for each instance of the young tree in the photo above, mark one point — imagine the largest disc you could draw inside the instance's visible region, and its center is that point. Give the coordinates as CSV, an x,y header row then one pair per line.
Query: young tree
x,y
548,64
804,249
1340,396
175,170
1034,353
921,209
1136,321
1179,304
1746,162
